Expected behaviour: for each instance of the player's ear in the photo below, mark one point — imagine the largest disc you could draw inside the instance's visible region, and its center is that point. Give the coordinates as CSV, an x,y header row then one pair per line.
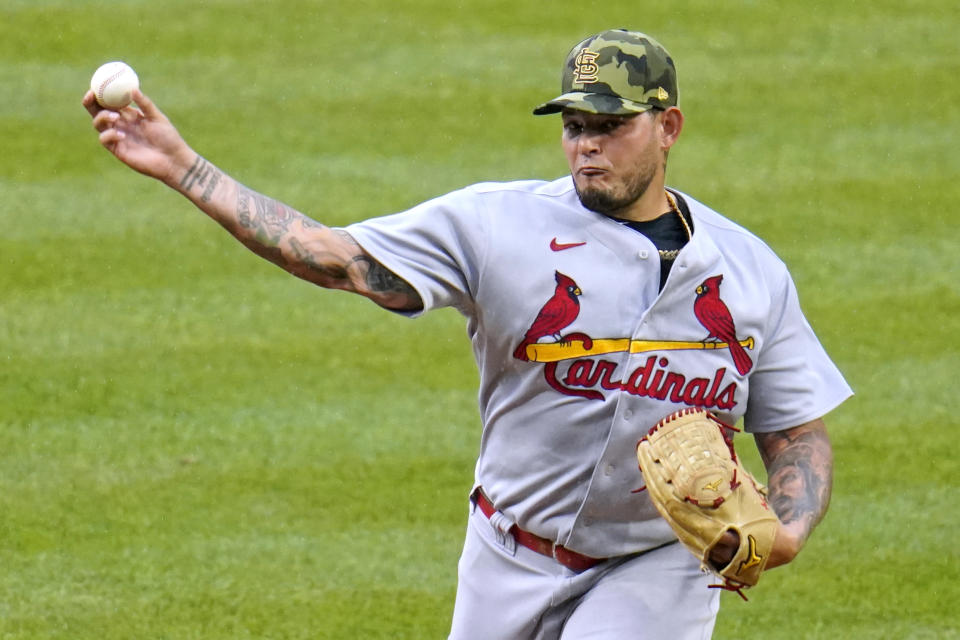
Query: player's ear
x,y
670,124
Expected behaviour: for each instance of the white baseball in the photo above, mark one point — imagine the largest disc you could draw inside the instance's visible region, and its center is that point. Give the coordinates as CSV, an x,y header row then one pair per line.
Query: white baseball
x,y
113,83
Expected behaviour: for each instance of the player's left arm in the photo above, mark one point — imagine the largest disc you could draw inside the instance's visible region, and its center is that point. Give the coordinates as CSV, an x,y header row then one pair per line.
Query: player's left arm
x,y
799,463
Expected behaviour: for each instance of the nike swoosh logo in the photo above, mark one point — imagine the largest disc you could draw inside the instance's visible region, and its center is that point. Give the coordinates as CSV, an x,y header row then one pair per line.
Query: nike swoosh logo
x,y
556,246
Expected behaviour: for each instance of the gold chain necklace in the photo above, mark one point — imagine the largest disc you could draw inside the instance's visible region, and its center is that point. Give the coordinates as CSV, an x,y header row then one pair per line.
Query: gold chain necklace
x,y
673,253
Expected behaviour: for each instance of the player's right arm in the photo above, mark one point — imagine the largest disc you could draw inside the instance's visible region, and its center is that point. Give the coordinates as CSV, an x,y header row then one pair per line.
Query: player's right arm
x,y
145,140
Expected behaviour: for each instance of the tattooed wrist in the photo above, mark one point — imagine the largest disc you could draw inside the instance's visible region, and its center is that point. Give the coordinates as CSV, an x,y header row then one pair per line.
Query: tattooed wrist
x,y
201,175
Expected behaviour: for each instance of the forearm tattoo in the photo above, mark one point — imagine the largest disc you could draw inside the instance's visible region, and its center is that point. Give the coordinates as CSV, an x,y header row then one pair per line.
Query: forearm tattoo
x,y
799,474
298,244
269,219
204,175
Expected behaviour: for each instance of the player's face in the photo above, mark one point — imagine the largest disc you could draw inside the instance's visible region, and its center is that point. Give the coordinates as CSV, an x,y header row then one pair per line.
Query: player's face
x,y
613,159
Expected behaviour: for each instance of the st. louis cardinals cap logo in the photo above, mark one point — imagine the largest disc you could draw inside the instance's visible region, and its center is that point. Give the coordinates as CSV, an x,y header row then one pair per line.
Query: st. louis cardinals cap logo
x,y
586,67
588,376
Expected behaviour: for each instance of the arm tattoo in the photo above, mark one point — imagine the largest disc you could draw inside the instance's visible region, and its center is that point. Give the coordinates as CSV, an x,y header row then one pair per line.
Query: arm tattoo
x,y
799,465
310,223
390,290
202,174
379,278
304,247
270,220
269,223
316,264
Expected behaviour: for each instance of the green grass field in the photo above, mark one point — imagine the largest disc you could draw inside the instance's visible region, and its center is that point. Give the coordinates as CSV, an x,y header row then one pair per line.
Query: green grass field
x,y
195,445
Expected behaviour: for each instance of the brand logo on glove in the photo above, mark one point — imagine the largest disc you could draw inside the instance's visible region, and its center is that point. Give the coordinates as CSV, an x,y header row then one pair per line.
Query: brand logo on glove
x,y
713,486
753,558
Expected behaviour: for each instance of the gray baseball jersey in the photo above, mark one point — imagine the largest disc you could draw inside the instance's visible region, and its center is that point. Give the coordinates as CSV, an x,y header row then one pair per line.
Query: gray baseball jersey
x,y
580,353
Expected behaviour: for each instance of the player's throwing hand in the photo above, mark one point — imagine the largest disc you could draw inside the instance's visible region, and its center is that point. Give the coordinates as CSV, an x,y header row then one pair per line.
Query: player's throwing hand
x,y
142,138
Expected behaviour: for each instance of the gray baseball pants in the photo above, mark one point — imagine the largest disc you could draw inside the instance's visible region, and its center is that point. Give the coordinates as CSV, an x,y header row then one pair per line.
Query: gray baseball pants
x,y
508,592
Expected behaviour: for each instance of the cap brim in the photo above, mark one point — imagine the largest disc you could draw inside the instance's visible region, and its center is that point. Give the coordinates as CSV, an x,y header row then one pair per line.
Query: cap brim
x,y
592,103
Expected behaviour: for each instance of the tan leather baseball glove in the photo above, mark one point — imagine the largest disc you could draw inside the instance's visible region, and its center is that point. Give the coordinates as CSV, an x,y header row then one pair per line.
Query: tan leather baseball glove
x,y
698,485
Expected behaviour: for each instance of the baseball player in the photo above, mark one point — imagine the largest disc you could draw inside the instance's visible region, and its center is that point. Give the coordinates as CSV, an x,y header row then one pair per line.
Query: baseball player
x,y
596,304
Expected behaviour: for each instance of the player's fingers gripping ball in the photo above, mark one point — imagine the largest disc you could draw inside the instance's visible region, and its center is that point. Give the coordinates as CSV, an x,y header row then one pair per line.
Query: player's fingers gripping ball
x,y
698,485
113,84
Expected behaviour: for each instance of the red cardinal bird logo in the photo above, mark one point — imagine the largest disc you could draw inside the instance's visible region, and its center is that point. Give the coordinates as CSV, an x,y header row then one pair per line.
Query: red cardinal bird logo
x,y
714,315
559,312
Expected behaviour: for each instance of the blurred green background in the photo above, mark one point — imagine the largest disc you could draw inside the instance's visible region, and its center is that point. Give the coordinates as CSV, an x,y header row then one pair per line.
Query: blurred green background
x,y
196,445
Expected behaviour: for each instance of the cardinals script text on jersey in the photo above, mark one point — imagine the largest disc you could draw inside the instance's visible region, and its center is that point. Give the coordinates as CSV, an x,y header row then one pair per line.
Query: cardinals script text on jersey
x,y
584,375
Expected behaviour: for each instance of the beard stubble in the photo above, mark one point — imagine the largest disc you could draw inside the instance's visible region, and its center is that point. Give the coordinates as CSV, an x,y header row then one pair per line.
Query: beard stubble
x,y
612,200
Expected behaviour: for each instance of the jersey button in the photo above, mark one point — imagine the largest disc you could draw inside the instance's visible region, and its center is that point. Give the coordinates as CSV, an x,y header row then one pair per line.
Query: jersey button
x,y
643,254
627,414
609,470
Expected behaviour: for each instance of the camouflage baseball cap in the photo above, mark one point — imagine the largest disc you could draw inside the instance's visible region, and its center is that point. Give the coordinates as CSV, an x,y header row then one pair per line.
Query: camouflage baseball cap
x,y
616,72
